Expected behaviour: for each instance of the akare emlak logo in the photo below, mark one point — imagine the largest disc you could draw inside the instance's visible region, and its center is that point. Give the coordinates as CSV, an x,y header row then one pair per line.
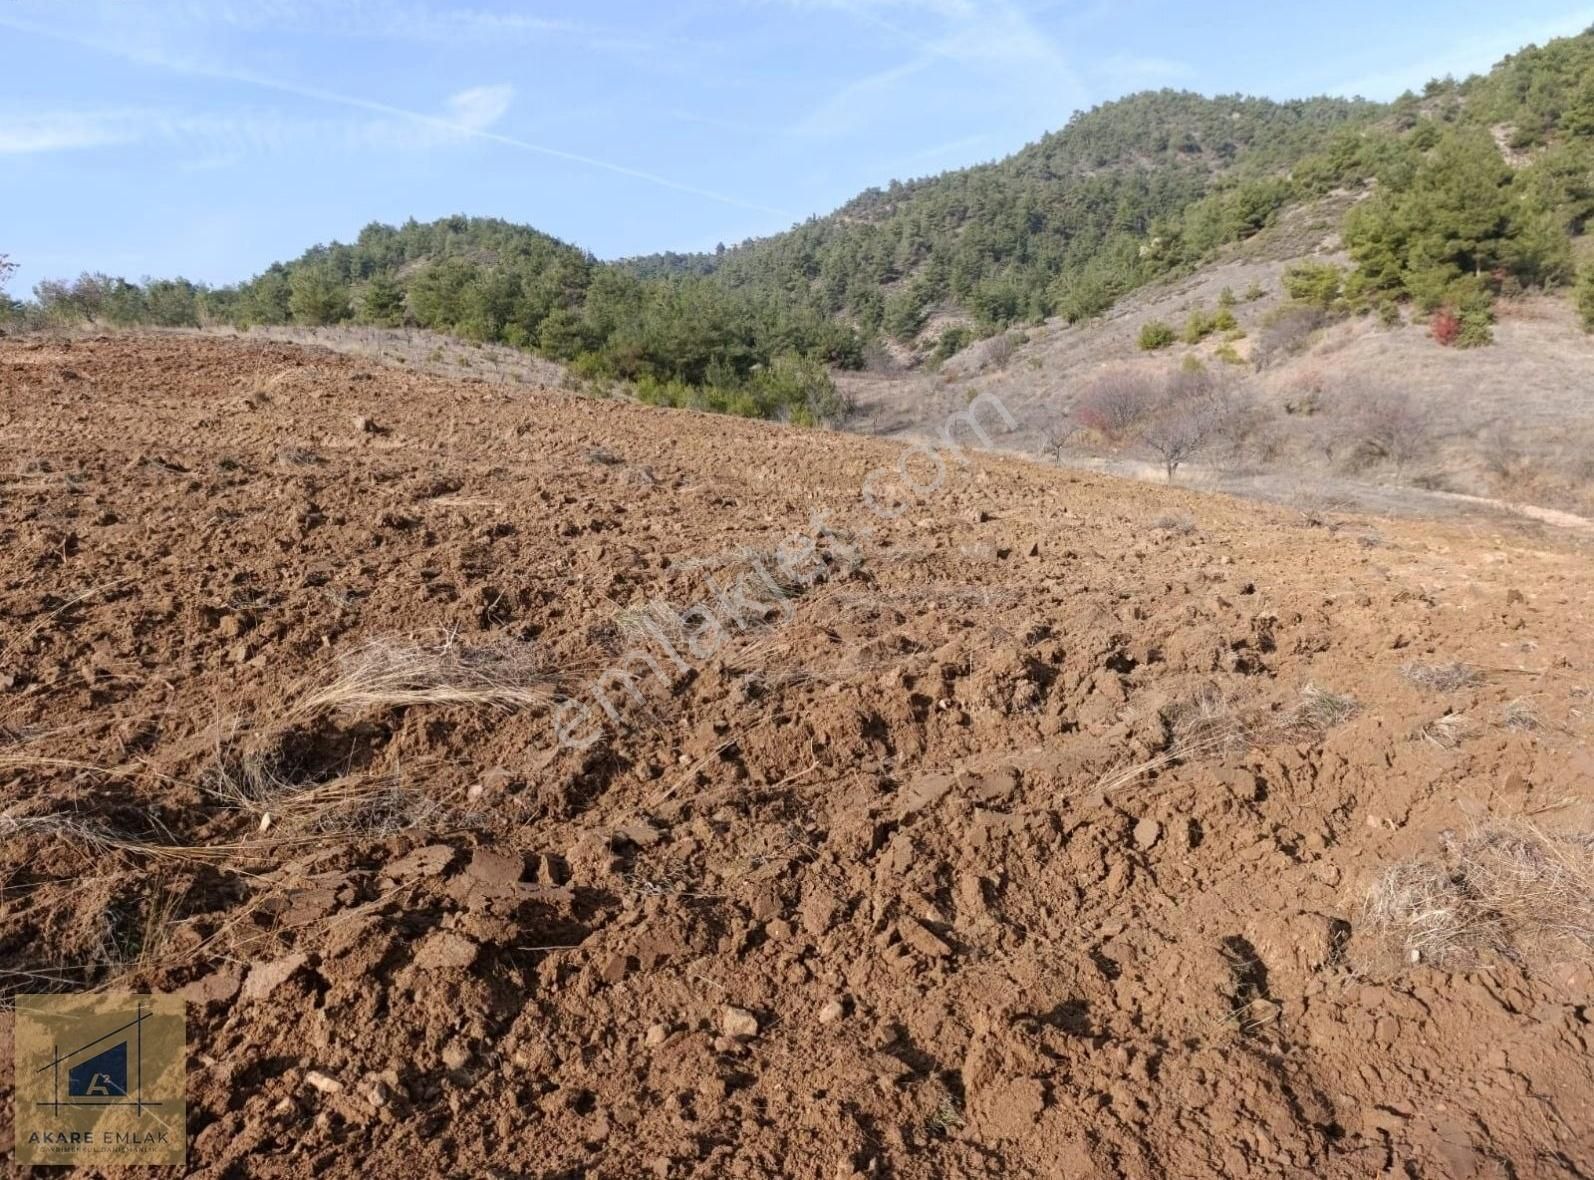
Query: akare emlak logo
x,y
100,1078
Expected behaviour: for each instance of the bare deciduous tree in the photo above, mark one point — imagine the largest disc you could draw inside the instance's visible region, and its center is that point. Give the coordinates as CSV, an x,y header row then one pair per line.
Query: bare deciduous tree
x,y
1116,402
1182,428
1057,430
999,350
1285,332
1390,425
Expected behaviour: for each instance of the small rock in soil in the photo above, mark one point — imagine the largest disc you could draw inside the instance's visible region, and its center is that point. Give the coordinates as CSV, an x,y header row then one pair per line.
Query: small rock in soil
x,y
323,1082
738,1022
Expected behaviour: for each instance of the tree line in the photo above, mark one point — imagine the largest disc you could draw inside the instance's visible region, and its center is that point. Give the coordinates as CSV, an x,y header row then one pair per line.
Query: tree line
x,y
1460,212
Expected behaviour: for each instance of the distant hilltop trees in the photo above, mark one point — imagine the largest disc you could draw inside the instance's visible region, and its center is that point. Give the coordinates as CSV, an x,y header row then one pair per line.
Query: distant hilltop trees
x,y
1476,189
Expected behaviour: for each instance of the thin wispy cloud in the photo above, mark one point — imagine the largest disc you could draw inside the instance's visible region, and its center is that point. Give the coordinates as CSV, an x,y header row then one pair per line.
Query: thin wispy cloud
x,y
210,140
25,133
218,71
370,19
851,106
1462,56
874,8
997,55
481,106
1124,71
953,151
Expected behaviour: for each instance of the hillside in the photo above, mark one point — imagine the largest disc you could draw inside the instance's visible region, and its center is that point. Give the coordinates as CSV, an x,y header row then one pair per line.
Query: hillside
x,y
1317,405
1032,234
1019,823
1476,191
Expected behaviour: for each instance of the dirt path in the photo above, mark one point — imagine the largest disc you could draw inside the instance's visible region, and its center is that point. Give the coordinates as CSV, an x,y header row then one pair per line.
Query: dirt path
x,y
1023,831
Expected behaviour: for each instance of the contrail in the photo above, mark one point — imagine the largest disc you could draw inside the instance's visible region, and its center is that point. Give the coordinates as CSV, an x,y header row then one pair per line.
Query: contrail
x,y
335,98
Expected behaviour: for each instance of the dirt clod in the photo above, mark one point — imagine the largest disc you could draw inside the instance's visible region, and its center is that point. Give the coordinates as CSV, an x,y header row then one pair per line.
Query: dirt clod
x,y
738,1022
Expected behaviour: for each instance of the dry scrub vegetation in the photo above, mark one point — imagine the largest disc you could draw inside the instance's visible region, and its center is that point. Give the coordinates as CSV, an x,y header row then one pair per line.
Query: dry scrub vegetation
x,y
1506,889
298,773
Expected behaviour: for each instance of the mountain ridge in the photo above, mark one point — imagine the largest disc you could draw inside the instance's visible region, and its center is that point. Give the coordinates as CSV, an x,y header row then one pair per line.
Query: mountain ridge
x,y
1132,190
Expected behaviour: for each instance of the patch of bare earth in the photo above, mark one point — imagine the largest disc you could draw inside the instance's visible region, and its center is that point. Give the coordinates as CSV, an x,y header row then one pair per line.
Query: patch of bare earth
x,y
1053,825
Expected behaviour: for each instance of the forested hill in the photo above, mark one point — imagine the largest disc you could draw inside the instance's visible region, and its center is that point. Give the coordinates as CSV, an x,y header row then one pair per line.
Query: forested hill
x,y
1471,190
1059,226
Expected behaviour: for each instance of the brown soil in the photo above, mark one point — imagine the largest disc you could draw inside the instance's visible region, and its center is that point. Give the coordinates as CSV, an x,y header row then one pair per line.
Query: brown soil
x,y
1029,836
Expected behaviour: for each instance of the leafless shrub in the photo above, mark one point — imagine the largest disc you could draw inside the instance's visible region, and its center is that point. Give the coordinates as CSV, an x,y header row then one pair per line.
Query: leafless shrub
x,y
1179,431
1441,677
1175,416
1507,889
1387,425
1286,332
999,350
1171,523
1057,429
1116,402
1245,430
299,457
1304,391
878,358
1501,453
1196,412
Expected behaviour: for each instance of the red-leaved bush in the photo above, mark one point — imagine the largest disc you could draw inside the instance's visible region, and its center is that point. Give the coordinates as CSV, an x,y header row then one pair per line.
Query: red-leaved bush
x,y
1445,326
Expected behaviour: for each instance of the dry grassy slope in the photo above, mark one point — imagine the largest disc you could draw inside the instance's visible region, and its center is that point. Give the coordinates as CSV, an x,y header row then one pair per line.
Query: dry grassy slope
x,y
1035,845
1527,394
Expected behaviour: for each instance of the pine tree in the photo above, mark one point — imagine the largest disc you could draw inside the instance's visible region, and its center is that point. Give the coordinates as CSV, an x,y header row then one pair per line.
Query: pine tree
x,y
1583,295
382,302
316,297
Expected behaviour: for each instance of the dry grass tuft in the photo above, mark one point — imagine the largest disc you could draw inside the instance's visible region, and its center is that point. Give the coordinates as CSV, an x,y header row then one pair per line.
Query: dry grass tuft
x,y
1447,732
1207,719
94,837
1520,715
388,674
1320,710
1442,677
1508,889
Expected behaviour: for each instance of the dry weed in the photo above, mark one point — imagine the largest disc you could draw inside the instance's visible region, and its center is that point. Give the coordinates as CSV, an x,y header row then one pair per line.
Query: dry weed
x,y
97,838
1447,732
1207,719
1520,715
1442,677
1507,889
388,673
1320,710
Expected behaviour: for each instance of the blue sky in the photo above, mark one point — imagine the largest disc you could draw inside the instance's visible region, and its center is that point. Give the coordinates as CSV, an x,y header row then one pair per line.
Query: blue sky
x,y
211,137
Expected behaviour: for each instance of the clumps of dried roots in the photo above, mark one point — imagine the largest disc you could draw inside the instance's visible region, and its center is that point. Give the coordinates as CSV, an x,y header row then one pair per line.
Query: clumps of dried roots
x,y
1441,677
1208,719
1447,732
1506,890
299,774
387,673
1320,710
1520,715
